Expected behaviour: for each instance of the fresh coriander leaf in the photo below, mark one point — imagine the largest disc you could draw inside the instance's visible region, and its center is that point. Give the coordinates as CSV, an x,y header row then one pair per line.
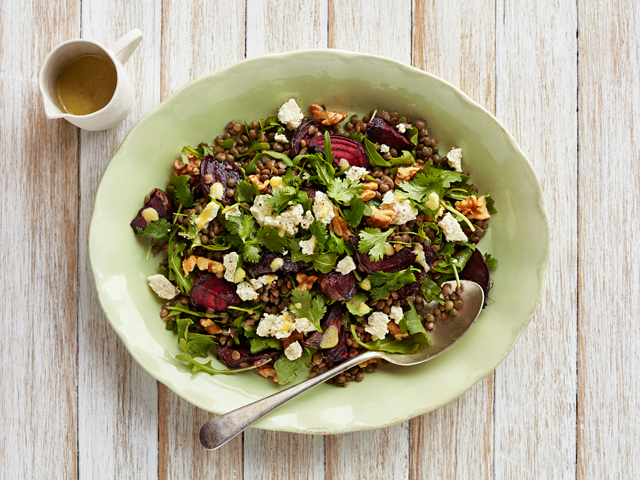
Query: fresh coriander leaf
x,y
358,209
414,325
389,282
288,370
356,136
374,156
258,344
390,345
358,305
319,230
490,202
338,245
291,179
156,230
180,190
342,191
404,159
325,262
491,261
228,143
306,305
270,238
251,253
445,177
246,191
372,241
429,289
241,226
280,198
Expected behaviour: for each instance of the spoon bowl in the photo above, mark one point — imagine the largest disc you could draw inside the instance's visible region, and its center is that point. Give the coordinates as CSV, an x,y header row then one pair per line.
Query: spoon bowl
x,y
220,430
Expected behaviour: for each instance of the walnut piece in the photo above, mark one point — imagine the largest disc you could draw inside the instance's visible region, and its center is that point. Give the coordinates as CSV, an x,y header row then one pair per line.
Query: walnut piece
x,y
380,218
370,186
474,208
339,225
267,371
262,186
293,338
404,174
394,330
192,168
305,282
367,195
326,118
210,326
204,264
367,362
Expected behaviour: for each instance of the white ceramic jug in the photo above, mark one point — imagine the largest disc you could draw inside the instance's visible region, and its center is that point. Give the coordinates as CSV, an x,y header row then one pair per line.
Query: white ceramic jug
x,y
119,105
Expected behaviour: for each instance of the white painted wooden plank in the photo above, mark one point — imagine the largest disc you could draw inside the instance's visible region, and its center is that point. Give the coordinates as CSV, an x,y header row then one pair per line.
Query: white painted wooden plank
x,y
385,29
198,38
456,41
117,400
38,194
535,400
609,221
278,26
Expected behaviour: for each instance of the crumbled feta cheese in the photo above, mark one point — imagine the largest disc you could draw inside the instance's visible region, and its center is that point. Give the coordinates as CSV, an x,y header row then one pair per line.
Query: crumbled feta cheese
x,y
279,326
451,229
150,215
276,182
230,264
233,212
377,325
403,210
356,173
307,220
343,164
384,148
401,127
293,351
281,137
262,281
305,176
396,314
217,191
323,208
246,291
454,158
287,222
260,210
346,265
208,214
163,287
420,258
276,264
433,201
303,325
290,114
388,249
290,219
308,246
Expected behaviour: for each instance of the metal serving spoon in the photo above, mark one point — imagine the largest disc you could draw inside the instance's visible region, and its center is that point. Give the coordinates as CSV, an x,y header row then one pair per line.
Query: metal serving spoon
x,y
220,430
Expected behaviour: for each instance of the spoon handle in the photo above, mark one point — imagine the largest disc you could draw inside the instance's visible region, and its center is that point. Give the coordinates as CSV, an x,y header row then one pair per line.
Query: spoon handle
x,y
221,429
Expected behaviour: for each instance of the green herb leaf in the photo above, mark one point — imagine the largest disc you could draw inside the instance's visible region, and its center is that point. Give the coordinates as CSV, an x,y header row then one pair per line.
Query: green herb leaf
x,y
288,370
358,304
258,344
282,198
358,209
180,190
389,345
461,258
209,368
228,143
270,238
251,253
175,267
319,230
279,156
156,230
327,147
192,151
430,290
414,325
304,304
325,262
413,135
490,202
374,156
491,261
246,191
389,282
372,241
342,191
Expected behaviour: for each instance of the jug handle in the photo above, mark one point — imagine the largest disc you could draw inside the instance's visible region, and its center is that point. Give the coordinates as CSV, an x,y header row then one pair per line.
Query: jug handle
x,y
126,45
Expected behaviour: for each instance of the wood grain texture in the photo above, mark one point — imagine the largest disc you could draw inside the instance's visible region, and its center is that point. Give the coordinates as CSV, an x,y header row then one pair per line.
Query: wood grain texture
x,y
276,27
384,453
609,270
201,37
38,258
456,41
117,399
535,400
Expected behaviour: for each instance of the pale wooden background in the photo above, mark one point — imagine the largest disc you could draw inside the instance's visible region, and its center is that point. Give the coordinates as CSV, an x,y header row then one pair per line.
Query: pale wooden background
x,y
562,75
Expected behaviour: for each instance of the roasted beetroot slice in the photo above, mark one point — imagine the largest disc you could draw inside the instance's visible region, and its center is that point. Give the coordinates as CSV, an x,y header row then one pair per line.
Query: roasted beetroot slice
x,y
212,292
342,147
161,203
302,133
333,318
381,131
477,271
264,265
412,288
337,286
311,192
221,172
226,356
393,264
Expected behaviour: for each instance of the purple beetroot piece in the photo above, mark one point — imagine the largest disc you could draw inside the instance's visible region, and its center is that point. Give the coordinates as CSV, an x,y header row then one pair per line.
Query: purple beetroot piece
x,y
382,132
161,203
221,173
333,318
212,292
393,264
342,147
226,356
337,286
302,133
263,267
412,288
477,271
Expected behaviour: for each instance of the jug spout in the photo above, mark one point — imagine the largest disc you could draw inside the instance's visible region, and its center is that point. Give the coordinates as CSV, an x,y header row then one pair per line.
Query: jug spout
x,y
51,110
